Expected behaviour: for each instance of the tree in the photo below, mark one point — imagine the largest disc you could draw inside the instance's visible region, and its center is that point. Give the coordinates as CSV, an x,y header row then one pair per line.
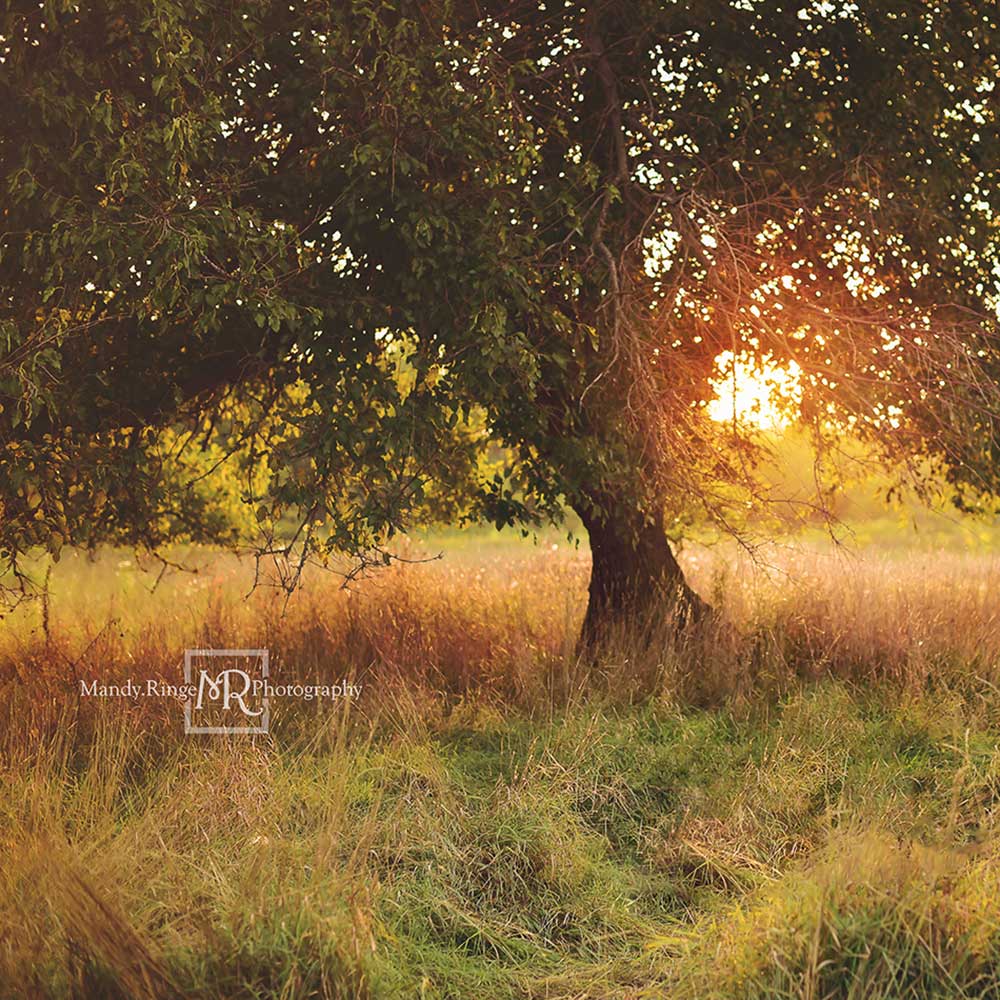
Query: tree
x,y
236,220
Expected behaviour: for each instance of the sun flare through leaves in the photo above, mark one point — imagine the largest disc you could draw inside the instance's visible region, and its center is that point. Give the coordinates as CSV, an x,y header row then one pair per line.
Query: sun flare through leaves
x,y
755,391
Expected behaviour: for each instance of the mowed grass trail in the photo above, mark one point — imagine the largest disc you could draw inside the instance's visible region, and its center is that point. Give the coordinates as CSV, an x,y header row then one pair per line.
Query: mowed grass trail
x,y
802,803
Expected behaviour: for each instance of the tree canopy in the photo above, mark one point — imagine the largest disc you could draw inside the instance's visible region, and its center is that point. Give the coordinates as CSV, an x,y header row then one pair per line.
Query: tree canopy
x,y
331,252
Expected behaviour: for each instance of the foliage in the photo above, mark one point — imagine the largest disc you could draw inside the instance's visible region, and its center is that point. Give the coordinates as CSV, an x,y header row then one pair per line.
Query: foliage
x,y
565,213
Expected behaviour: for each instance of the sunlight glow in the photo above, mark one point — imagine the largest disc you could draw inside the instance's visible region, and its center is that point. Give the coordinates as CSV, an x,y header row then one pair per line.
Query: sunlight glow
x,y
755,391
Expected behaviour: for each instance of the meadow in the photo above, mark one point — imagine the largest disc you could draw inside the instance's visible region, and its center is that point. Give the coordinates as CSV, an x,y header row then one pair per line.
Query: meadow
x,y
799,800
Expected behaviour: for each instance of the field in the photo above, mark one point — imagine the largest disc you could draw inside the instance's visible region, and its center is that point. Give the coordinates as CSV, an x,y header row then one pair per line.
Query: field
x,y
800,801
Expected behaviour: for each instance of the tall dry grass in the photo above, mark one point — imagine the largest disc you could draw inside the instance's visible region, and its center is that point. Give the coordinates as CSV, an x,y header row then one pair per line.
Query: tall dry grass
x,y
493,811
505,630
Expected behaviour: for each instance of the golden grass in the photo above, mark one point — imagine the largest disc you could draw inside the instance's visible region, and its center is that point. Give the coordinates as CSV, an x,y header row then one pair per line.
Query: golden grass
x,y
494,817
506,626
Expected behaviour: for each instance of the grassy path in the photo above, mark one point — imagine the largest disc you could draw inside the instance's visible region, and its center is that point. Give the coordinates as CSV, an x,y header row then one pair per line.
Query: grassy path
x,y
837,843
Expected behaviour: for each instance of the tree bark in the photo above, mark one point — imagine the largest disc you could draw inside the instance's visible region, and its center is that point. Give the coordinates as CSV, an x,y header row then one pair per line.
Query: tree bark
x,y
636,582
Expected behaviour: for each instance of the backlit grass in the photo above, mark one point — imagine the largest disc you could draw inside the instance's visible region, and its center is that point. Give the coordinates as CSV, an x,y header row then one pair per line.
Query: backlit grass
x,y
801,802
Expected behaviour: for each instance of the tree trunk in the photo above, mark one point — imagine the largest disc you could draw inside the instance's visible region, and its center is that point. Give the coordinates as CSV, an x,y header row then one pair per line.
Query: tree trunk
x,y
635,580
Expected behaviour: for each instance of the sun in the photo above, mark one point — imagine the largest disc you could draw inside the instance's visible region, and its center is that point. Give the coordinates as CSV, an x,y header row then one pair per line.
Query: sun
x,y
755,391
